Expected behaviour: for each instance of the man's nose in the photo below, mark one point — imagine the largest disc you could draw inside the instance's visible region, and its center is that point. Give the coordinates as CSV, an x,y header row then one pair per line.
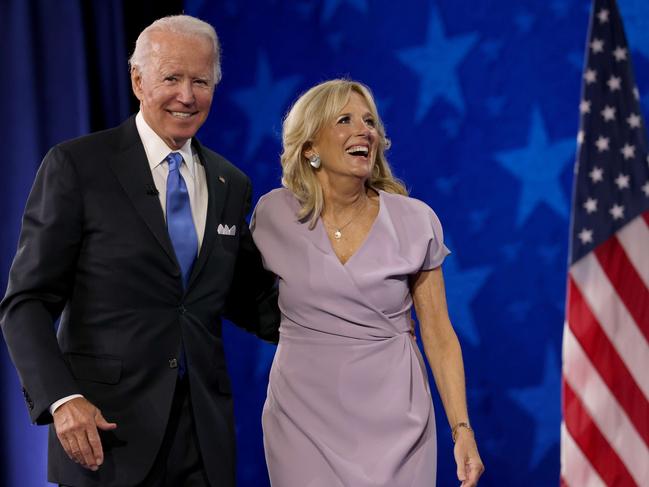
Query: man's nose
x,y
186,92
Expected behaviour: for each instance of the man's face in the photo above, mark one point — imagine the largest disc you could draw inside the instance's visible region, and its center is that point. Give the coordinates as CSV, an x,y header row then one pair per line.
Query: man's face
x,y
176,85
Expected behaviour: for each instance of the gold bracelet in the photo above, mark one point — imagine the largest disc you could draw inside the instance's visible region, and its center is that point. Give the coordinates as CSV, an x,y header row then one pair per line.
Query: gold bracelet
x,y
458,426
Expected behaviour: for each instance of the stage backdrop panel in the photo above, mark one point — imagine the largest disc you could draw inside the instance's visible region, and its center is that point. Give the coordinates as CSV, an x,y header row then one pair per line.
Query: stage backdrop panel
x,y
480,100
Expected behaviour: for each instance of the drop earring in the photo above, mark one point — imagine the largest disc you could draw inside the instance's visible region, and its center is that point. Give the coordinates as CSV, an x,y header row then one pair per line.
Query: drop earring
x,y
315,161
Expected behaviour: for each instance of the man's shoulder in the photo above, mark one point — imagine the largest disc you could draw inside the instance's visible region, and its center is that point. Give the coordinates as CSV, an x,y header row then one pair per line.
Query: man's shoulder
x,y
228,169
106,139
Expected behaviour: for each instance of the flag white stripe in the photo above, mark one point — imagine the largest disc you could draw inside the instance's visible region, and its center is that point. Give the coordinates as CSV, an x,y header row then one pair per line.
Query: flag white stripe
x,y
614,318
631,238
576,469
605,411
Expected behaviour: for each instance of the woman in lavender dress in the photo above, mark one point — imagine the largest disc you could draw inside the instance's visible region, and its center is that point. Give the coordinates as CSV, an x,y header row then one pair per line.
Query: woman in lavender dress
x,y
348,401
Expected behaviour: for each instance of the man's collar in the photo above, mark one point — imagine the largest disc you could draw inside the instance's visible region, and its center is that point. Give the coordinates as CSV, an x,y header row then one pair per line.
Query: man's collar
x,y
156,149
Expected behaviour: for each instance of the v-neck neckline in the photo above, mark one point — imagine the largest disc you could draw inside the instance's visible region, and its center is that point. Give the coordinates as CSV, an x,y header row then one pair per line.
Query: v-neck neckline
x,y
330,247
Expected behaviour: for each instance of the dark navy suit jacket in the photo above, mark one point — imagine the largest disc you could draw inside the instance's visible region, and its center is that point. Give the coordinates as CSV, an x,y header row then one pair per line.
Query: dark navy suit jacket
x,y
95,251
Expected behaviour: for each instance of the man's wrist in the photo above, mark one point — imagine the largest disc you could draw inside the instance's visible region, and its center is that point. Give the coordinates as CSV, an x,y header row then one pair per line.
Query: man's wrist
x,y
57,404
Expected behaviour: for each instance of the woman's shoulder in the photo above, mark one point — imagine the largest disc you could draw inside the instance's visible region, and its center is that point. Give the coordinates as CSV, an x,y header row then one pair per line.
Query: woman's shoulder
x,y
277,201
406,204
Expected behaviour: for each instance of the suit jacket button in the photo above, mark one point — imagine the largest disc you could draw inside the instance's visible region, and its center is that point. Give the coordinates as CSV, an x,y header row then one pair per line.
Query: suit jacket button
x,y
173,363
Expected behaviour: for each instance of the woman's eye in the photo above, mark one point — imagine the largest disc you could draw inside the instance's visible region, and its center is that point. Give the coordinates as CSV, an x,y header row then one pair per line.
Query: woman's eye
x,y
370,122
344,119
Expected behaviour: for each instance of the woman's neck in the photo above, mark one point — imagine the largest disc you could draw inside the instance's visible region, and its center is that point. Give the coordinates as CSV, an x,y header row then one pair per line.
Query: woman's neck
x,y
343,196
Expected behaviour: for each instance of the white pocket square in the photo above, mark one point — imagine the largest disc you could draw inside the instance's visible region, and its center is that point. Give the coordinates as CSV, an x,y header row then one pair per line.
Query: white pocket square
x,y
226,230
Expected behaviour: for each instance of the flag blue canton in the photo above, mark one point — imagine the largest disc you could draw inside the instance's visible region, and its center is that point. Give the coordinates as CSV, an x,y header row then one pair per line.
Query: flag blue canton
x,y
612,171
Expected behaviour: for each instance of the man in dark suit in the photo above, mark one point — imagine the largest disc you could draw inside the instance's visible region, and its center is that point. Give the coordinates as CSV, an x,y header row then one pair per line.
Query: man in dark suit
x,y
136,237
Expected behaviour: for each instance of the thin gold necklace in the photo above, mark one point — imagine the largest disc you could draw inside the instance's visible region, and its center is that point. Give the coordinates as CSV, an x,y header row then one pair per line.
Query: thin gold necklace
x,y
338,230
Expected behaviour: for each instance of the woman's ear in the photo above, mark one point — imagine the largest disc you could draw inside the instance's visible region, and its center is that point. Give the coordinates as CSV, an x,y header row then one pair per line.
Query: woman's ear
x,y
308,150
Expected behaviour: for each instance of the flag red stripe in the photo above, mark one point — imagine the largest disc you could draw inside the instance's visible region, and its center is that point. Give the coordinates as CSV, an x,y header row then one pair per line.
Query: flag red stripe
x,y
627,282
607,360
596,449
645,215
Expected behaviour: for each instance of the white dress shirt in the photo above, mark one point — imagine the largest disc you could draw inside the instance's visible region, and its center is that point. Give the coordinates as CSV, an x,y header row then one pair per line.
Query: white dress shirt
x,y
192,171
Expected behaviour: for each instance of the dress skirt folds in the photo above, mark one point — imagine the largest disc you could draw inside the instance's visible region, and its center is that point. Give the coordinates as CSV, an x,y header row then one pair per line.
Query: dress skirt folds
x,y
348,401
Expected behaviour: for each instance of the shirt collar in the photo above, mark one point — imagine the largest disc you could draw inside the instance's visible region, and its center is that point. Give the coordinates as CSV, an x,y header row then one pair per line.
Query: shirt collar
x,y
156,149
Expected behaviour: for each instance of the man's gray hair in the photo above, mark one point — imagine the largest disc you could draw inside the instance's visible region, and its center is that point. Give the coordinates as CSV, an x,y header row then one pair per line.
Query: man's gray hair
x,y
178,24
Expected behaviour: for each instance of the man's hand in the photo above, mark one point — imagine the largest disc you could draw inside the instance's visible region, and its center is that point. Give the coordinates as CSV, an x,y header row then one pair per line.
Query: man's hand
x,y
76,423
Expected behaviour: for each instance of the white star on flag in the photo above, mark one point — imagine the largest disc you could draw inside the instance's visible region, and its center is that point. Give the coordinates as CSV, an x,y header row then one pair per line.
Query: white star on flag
x,y
617,211
628,151
620,54
597,45
596,174
580,137
590,205
645,189
608,113
634,121
614,83
602,15
602,143
590,76
622,181
584,106
586,236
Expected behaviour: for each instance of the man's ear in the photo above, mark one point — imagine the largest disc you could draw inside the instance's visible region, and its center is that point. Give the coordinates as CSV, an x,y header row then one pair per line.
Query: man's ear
x,y
136,82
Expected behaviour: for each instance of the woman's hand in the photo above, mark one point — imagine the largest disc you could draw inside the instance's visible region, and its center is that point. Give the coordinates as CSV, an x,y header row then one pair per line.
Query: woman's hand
x,y
469,464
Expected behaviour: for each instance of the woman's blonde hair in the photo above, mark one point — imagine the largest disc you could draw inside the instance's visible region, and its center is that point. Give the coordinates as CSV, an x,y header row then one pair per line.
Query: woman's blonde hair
x,y
311,112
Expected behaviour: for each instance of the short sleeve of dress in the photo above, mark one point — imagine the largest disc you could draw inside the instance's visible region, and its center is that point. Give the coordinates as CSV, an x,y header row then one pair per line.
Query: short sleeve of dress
x,y
270,225
259,227
437,251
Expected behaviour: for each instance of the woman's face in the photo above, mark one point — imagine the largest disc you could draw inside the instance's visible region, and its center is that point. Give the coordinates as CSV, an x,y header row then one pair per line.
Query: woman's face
x,y
347,146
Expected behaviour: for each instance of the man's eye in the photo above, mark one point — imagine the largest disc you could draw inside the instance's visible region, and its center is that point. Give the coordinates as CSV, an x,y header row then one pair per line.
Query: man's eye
x,y
170,79
202,82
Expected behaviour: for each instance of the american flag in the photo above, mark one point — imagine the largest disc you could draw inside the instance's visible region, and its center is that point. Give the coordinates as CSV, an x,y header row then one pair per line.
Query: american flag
x,y
605,384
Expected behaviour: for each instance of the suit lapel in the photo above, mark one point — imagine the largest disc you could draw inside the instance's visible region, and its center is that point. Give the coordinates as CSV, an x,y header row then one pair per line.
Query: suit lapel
x,y
131,167
217,190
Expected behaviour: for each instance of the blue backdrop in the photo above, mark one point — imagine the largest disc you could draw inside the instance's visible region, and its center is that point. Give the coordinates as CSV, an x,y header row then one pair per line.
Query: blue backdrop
x,y
480,100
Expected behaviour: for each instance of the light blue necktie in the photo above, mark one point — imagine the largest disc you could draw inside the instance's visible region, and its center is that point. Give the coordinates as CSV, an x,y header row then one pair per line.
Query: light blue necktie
x,y
182,232
180,223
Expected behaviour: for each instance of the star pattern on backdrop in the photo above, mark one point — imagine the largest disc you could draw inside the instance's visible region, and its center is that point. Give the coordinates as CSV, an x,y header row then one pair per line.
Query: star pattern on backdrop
x,y
447,184
463,286
538,167
545,414
524,21
560,8
264,104
330,7
435,63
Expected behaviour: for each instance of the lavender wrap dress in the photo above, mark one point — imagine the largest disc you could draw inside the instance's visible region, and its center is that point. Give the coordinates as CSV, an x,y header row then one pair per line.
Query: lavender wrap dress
x,y
348,400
